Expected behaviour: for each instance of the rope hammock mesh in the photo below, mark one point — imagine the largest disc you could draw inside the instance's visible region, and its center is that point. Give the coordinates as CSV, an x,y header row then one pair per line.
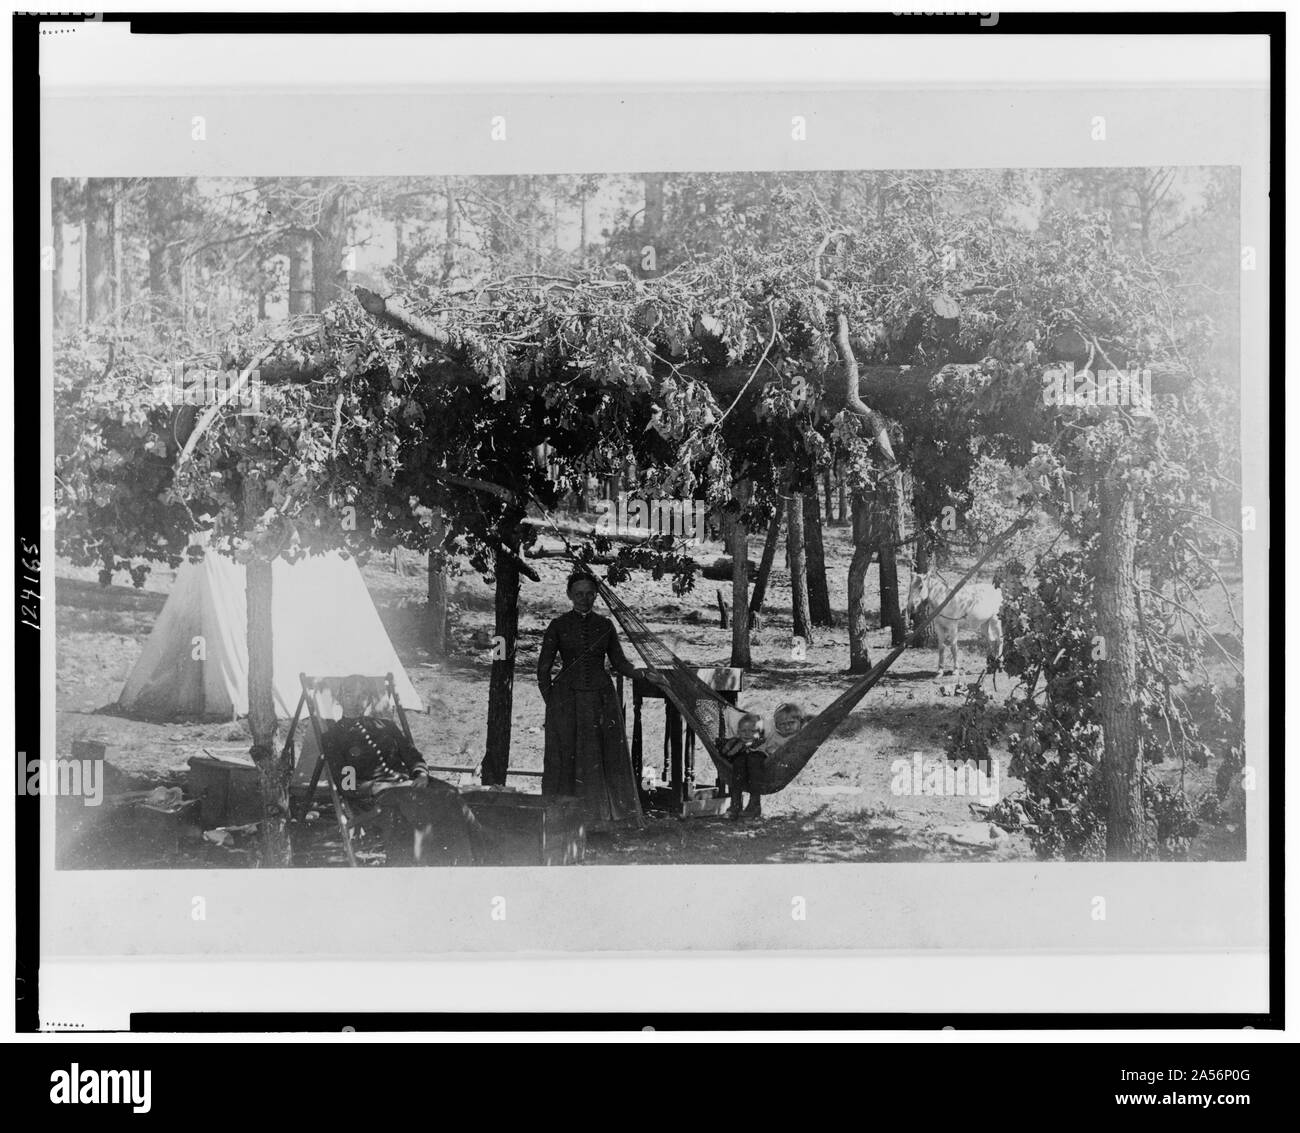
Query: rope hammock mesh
x,y
702,707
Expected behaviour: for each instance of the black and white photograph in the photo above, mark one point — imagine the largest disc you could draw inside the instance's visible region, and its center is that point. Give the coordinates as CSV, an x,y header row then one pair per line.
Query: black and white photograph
x,y
702,518
541,534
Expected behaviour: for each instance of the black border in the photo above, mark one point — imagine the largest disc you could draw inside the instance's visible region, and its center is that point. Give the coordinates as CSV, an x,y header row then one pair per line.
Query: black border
x,y
27,519
27,502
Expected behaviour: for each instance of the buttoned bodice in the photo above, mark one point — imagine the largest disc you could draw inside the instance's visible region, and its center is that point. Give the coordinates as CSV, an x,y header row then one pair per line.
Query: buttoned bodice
x,y
583,645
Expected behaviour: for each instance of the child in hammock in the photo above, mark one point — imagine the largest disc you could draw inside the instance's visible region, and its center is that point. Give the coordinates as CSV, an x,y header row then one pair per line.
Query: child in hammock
x,y
748,749
786,721
745,751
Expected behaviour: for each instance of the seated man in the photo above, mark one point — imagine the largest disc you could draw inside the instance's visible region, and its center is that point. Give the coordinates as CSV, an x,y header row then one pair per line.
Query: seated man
x,y
367,753
423,819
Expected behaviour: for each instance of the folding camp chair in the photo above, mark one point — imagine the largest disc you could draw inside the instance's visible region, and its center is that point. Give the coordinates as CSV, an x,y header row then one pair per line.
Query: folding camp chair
x,y
346,803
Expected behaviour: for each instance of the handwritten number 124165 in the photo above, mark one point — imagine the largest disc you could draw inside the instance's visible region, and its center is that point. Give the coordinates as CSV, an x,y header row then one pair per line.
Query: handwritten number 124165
x,y
31,564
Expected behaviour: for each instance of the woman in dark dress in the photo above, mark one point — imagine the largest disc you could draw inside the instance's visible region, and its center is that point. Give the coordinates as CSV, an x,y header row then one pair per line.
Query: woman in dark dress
x,y
586,747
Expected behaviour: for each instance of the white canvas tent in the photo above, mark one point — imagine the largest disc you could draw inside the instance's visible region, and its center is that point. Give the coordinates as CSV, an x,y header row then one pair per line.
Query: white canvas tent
x,y
323,624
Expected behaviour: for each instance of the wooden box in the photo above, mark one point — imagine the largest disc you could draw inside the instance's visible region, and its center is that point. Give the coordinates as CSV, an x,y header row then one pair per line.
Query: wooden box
x,y
530,829
229,790
157,831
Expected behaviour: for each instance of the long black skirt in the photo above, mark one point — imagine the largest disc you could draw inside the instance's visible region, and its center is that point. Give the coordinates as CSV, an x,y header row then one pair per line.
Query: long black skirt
x,y
587,756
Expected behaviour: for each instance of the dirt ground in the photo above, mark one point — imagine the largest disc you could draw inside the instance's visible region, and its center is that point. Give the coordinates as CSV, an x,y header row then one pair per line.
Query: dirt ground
x,y
841,807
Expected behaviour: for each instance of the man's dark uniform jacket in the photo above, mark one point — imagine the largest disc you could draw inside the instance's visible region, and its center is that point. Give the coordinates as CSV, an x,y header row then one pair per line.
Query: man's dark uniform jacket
x,y
376,750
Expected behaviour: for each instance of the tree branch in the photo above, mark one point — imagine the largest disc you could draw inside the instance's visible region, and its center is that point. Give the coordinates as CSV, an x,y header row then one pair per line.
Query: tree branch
x,y
391,313
478,485
1209,633
851,389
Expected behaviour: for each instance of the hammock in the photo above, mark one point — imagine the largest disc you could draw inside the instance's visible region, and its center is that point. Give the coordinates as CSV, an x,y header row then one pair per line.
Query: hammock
x,y
703,708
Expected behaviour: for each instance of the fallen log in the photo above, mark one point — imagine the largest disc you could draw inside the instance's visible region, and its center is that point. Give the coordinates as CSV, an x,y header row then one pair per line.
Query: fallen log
x,y
719,569
557,550
715,568
587,530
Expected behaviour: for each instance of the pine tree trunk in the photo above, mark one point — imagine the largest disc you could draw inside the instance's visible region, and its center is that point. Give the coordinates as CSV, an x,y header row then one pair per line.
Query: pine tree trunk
x,y
162,204
452,230
436,618
864,543
329,243
56,276
891,613
819,595
534,226
57,191
738,545
826,492
119,288
1117,616
653,219
501,687
922,556
844,517
99,248
273,771
837,195
888,532
794,537
769,556
582,227
301,296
